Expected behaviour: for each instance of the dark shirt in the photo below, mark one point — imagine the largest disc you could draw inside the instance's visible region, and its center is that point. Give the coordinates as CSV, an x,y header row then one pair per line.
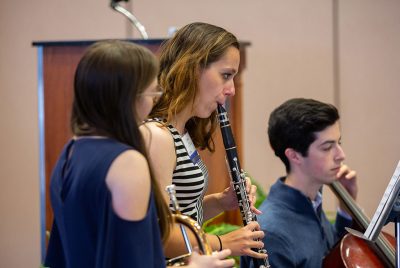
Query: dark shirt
x,y
86,231
295,234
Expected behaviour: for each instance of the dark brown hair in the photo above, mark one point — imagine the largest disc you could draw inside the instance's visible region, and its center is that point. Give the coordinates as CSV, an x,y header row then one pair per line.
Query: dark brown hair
x,y
294,124
108,80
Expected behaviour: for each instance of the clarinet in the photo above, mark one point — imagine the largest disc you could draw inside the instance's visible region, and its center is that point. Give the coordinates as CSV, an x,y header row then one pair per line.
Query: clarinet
x,y
238,178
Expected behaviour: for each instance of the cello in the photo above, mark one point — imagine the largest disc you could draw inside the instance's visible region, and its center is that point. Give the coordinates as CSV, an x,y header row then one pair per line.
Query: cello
x,y
352,251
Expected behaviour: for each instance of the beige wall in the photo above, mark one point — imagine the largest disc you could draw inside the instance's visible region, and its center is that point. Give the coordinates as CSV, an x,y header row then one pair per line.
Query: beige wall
x,y
370,93
292,55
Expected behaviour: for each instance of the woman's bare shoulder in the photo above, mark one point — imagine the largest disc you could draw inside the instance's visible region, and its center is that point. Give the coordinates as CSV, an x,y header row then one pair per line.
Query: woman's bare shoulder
x,y
157,135
128,180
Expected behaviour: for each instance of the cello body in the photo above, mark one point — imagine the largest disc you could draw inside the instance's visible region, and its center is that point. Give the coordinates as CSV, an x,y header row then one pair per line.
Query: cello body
x,y
352,251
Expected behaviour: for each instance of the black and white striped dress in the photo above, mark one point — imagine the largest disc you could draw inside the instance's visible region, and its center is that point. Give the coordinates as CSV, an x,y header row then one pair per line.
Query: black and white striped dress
x,y
190,178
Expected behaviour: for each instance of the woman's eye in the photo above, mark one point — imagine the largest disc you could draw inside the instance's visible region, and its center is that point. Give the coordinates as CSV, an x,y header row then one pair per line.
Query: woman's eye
x,y
226,76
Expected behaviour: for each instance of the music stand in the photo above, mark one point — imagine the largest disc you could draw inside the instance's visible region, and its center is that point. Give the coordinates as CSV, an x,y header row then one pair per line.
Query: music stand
x,y
387,211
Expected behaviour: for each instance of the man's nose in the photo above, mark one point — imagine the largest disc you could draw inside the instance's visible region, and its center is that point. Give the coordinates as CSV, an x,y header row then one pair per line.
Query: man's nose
x,y
340,153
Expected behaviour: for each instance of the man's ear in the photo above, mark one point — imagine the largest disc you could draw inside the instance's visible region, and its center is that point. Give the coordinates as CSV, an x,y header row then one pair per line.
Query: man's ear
x,y
292,156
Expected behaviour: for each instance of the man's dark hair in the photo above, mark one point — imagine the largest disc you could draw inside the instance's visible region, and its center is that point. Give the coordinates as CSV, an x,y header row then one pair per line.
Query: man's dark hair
x,y
294,123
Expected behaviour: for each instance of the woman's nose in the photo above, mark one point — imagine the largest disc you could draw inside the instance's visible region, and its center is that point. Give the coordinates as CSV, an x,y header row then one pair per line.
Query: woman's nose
x,y
230,89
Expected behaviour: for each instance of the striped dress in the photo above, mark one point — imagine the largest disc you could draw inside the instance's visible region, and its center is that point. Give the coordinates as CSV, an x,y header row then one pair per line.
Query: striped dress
x,y
190,178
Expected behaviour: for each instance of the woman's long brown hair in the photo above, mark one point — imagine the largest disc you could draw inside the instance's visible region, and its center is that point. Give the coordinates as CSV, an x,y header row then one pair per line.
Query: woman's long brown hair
x,y
108,80
192,49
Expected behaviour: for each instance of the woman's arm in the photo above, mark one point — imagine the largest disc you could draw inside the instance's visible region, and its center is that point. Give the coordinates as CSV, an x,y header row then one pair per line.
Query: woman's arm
x,y
128,180
240,242
217,203
161,153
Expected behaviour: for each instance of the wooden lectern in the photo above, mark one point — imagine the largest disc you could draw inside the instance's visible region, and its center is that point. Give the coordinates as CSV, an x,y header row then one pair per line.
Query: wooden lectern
x,y
57,62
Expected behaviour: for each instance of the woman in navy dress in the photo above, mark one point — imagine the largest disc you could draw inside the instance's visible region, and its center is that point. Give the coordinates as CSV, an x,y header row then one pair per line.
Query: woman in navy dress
x,y
108,209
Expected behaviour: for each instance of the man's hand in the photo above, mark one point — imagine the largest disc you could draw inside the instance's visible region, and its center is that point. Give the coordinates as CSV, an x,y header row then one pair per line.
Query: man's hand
x,y
348,178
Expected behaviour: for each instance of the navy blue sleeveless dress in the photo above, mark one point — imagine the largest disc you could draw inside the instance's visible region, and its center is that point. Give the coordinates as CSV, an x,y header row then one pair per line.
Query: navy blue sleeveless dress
x,y
86,231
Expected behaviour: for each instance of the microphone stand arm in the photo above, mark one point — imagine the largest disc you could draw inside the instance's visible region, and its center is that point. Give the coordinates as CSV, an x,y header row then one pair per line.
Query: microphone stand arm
x,y
117,7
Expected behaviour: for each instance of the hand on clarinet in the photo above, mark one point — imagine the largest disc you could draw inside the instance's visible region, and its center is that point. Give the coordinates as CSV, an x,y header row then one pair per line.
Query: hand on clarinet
x,y
228,200
216,260
252,193
241,241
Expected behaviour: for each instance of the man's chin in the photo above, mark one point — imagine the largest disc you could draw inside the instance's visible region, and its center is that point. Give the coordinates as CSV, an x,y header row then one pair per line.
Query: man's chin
x,y
332,179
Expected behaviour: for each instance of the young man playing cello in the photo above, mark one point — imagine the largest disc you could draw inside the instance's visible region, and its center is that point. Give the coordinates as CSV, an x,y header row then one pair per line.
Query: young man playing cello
x,y
305,135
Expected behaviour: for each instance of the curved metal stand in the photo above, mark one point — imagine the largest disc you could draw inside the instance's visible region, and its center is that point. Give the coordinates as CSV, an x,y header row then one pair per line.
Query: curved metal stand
x,y
117,7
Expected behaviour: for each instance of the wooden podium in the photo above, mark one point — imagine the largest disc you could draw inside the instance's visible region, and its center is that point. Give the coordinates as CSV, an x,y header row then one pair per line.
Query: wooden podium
x,y
57,62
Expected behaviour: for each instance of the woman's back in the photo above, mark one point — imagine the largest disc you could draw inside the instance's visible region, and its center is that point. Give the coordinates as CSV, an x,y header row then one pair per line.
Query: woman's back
x,y
86,231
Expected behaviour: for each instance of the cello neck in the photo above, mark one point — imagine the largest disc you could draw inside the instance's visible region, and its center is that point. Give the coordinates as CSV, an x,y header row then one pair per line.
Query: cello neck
x,y
358,215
